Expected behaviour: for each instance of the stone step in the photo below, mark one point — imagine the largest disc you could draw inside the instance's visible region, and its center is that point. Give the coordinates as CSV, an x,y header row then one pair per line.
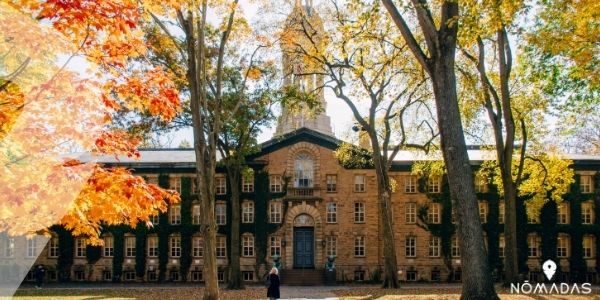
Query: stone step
x,y
304,277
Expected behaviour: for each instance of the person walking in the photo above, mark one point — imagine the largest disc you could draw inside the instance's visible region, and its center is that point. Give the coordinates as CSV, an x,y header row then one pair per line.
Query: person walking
x,y
273,291
39,276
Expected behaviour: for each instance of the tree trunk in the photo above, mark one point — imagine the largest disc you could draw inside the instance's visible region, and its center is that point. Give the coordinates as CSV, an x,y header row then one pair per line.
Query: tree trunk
x,y
511,265
235,274
384,192
477,281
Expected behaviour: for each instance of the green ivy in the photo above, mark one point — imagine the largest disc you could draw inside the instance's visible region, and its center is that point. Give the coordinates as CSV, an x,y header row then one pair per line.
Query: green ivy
x,y
117,262
93,254
163,235
65,252
141,234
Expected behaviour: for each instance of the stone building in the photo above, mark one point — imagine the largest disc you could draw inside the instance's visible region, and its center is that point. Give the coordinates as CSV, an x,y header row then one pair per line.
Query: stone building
x,y
303,205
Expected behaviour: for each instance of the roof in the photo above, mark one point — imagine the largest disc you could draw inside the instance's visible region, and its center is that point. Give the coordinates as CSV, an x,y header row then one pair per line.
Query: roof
x,y
185,158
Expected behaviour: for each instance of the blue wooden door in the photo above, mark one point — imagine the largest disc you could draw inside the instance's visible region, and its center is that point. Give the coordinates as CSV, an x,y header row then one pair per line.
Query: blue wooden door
x,y
304,252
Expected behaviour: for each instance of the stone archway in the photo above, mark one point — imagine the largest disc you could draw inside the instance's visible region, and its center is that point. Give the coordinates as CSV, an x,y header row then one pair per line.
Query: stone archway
x,y
303,219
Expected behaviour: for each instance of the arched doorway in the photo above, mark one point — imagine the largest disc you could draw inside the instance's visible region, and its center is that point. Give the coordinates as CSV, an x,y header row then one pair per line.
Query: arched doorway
x,y
304,242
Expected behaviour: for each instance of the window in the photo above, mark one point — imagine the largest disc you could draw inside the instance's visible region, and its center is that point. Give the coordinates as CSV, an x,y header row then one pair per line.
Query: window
x,y
107,275
248,275
435,244
174,275
130,246
248,183
248,245
587,213
275,183
154,220
562,214
410,246
533,245
196,214
411,275
453,215
435,274
483,212
197,246
359,212
303,171
176,184
248,212
586,184
331,183
480,184
275,212
175,246
562,246
220,185
221,247
331,245
359,246
109,248
221,213
411,213
79,275
359,275
275,245
588,246
501,213
197,276
53,247
359,183
152,246
434,184
32,247
410,184
221,276
152,276
129,276
8,246
175,214
433,214
455,247
80,247
331,212
501,245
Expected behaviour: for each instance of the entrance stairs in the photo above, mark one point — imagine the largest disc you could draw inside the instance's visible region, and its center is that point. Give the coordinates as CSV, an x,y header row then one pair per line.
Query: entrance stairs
x,y
305,277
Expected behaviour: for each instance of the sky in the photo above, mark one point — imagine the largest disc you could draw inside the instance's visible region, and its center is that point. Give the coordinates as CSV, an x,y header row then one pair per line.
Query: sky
x,y
341,115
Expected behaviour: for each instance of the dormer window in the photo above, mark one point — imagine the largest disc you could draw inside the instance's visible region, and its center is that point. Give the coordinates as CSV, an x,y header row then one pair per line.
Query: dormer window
x,y
303,171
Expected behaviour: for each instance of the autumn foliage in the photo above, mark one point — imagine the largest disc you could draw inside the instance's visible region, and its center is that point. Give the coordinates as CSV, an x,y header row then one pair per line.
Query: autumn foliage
x,y
67,68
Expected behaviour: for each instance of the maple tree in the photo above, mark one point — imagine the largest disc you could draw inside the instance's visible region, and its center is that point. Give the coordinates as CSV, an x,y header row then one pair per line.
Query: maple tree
x,y
48,108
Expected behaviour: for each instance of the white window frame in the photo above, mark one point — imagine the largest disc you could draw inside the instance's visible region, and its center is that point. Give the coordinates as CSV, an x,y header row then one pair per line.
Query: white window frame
x,y
331,212
410,184
197,246
587,213
275,245
562,246
588,246
247,245
130,248
331,183
32,247
331,245
359,212
248,183
247,212
221,213
152,242
360,181
196,214
562,213
410,246
586,184
80,247
175,214
434,184
501,213
359,246
533,245
175,246
434,213
435,246
501,245
221,247
410,212
275,211
275,183
53,247
483,212
455,246
220,185
108,249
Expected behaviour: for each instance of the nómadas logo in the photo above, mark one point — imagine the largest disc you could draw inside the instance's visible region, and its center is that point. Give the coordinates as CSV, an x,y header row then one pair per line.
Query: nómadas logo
x,y
549,267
